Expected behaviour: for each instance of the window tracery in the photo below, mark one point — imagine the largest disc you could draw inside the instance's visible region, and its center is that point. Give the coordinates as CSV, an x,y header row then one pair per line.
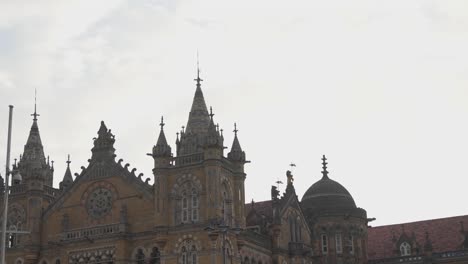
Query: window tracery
x,y
405,249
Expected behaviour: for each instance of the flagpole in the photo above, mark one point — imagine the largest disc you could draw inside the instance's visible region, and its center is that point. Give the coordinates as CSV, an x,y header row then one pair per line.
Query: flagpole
x,y
7,174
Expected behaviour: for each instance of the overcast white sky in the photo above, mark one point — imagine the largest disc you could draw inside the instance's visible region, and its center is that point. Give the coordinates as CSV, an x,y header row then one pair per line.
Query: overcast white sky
x,y
380,87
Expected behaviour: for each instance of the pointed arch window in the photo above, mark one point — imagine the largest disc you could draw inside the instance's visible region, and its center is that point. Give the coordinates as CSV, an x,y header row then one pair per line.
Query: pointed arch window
x,y
405,249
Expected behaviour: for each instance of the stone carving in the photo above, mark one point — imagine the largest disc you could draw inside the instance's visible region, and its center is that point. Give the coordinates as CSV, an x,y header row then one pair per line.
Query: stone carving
x,y
99,255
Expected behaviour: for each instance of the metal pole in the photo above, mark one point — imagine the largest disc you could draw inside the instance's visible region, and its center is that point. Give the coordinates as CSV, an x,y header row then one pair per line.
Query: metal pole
x,y
7,174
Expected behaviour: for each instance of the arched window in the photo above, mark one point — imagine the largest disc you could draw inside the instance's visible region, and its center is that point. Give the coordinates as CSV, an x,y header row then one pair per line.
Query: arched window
x,y
298,229
57,261
155,257
405,249
185,208
193,255
140,256
184,255
189,204
194,205
246,260
339,244
351,244
324,244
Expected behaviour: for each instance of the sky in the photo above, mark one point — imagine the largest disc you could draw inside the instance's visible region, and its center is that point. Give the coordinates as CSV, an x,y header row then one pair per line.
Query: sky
x,y
380,87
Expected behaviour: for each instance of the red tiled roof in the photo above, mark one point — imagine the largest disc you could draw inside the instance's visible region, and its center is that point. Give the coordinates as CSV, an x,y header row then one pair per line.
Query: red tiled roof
x,y
445,235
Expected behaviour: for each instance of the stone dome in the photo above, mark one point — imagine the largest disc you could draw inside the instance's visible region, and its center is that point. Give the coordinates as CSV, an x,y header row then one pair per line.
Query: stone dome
x,y
327,195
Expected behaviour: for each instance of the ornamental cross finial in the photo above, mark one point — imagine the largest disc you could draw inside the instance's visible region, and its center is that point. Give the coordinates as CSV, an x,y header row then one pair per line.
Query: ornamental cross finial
x,y
68,161
198,79
324,166
35,114
162,122
235,129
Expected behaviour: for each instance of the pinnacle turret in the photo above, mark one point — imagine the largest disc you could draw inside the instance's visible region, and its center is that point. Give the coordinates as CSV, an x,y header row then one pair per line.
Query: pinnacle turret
x,y
67,178
162,149
213,138
236,153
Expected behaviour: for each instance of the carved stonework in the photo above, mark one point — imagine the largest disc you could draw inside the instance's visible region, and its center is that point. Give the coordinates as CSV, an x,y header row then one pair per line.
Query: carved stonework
x,y
98,199
91,256
99,202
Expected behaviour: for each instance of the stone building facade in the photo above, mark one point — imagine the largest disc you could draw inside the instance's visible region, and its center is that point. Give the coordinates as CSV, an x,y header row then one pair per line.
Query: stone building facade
x,y
193,212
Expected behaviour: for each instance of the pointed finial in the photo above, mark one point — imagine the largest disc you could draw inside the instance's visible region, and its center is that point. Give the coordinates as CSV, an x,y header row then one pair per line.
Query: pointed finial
x,y
324,167
48,159
162,122
198,79
15,162
221,131
177,133
52,164
183,129
68,161
217,127
35,114
235,129
211,113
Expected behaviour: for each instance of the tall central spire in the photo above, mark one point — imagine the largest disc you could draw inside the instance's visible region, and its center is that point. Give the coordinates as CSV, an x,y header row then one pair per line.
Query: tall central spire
x,y
33,150
198,118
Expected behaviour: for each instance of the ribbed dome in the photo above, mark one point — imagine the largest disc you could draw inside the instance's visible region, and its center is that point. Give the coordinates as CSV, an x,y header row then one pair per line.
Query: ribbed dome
x,y
327,195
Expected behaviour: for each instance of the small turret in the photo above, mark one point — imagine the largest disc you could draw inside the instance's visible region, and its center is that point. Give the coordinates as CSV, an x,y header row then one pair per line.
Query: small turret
x,y
162,153
67,178
236,154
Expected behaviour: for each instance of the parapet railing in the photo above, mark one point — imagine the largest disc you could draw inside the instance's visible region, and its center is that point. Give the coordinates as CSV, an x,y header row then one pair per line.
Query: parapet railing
x,y
16,189
188,159
51,191
92,232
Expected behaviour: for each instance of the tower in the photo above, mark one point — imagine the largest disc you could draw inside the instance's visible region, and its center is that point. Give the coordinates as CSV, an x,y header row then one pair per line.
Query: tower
x,y
30,193
199,186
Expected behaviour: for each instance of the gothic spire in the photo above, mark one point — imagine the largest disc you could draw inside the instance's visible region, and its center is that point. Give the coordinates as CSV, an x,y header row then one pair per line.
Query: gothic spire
x,y
162,149
198,118
67,178
33,150
236,152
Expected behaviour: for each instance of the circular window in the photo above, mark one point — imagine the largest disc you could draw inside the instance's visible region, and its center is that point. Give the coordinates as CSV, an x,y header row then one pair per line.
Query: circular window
x,y
99,202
